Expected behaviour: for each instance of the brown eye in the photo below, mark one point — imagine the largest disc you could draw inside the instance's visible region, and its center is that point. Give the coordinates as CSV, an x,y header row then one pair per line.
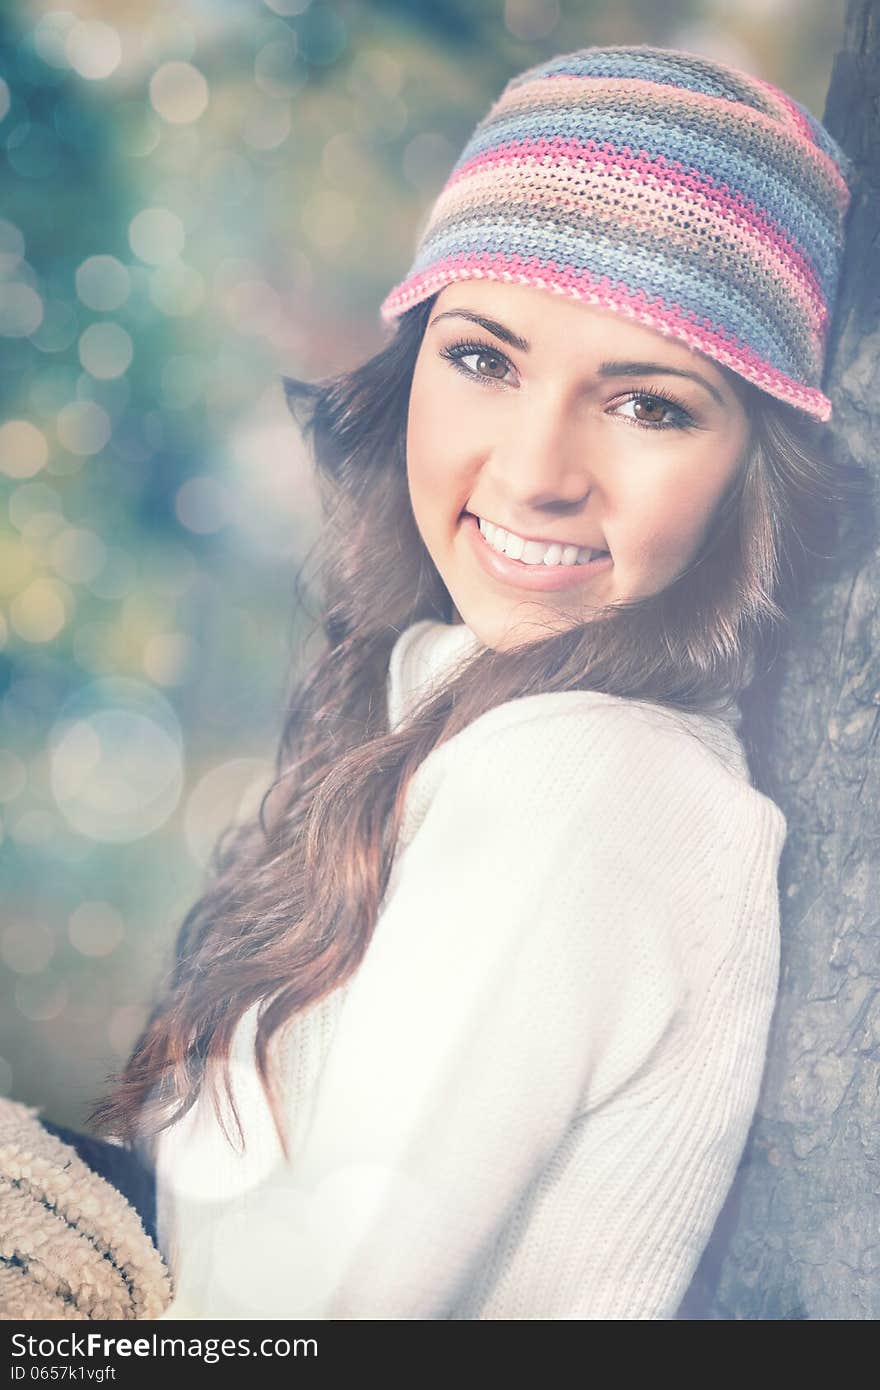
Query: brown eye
x,y
650,409
491,357
496,364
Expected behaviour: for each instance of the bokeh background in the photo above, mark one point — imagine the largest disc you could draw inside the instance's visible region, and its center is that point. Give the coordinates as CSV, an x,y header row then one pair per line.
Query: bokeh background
x,y
196,198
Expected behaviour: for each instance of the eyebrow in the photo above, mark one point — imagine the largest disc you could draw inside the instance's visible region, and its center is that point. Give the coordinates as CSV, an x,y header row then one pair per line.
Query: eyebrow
x,y
606,368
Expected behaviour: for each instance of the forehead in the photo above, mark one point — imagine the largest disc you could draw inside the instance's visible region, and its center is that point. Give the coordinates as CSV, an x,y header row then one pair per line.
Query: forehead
x,y
546,320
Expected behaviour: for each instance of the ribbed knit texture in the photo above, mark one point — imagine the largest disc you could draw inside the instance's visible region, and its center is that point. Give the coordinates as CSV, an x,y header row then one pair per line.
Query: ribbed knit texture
x,y
695,198
530,1100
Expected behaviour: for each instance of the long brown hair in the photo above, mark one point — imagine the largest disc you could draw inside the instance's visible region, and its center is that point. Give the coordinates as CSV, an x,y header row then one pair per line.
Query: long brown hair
x,y
294,892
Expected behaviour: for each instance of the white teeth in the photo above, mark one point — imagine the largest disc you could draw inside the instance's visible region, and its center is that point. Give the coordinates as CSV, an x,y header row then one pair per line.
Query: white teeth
x,y
534,552
513,545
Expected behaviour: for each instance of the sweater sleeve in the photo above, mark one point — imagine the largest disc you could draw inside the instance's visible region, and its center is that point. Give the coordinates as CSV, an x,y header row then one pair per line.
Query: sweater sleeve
x,y
528,962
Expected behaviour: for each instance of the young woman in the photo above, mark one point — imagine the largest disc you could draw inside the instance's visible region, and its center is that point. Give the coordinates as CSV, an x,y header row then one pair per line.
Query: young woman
x,y
471,1021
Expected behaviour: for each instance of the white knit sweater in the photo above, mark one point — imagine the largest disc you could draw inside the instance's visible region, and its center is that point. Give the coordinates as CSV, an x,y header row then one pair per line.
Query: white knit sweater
x,y
530,1100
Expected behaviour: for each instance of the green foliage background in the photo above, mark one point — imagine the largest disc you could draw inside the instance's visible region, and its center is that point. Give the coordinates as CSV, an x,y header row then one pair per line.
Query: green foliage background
x,y
195,198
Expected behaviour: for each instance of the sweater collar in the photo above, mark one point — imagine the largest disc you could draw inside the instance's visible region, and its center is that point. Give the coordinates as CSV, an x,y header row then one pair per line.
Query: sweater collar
x,y
425,652
421,657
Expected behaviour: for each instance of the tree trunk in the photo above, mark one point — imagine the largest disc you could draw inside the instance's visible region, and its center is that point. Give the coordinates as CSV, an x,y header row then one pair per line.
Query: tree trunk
x,y
799,1236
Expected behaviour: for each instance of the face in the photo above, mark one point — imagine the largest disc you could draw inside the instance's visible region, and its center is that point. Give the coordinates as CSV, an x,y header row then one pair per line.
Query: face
x,y
567,427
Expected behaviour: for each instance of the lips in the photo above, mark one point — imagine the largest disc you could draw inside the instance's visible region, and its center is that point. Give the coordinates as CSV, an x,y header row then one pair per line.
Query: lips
x,y
517,575
541,540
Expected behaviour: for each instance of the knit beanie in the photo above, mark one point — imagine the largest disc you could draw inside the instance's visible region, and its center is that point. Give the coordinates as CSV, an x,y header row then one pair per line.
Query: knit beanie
x,y
694,198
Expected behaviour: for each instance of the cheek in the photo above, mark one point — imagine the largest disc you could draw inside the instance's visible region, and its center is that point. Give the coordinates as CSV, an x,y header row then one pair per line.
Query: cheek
x,y
419,436
665,530
436,452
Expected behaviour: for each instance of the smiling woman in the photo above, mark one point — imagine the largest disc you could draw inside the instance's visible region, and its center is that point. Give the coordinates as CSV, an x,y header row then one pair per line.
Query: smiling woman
x,y
557,444
488,981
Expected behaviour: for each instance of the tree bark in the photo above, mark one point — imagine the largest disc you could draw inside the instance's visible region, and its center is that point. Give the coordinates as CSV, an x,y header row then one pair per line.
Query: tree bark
x,y
799,1236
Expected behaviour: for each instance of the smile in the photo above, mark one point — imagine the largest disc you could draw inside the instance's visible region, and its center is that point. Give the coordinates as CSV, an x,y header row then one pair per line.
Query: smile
x,y
542,574
536,552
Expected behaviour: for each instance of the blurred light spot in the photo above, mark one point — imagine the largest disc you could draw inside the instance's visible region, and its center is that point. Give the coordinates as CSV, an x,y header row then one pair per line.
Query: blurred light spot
x,y
93,49
179,93
22,723
52,387
50,37
16,564
35,511
373,70
228,179
168,567
266,123
21,310
91,1000
23,449
179,151
83,427
142,615
531,19
344,162
37,829
322,35
230,792
58,329
93,648
102,283
137,130
40,1000
231,271
278,69
385,121
11,246
177,290
124,1026
96,928
5,1077
168,32
13,775
288,7
296,270
169,657
33,151
710,40
328,218
39,612
112,394
277,507
5,99
203,505
183,381
77,554
63,465
228,392
115,760
27,947
118,576
105,350
253,306
427,160
156,235
36,687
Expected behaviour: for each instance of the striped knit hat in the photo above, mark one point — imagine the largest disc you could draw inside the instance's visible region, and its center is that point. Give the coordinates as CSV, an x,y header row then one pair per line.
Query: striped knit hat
x,y
697,199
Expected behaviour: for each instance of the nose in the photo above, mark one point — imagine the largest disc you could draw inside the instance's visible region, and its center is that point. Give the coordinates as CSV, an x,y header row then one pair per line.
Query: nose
x,y
541,465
